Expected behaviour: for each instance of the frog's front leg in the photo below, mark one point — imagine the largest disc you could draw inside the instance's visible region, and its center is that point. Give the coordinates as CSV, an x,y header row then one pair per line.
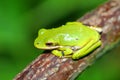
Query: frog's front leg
x,y
86,49
63,52
57,53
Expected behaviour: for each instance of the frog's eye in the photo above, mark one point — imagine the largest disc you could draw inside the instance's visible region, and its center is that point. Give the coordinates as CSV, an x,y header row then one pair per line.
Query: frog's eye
x,y
49,44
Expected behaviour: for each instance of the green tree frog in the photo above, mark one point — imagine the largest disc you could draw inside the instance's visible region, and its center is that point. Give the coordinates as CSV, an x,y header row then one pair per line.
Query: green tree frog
x,y
73,40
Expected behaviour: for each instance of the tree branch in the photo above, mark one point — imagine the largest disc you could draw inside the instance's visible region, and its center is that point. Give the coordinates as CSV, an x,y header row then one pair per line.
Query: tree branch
x,y
49,67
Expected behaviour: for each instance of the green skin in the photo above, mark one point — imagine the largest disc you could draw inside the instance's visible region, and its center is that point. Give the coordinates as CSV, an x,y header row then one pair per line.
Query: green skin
x,y
73,40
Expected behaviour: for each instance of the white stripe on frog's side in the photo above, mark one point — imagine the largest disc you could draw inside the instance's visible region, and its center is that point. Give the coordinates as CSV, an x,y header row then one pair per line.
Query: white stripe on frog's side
x,y
98,29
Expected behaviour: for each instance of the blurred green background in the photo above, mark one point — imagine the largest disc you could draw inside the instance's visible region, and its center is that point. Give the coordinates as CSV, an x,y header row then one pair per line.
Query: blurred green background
x,y
20,21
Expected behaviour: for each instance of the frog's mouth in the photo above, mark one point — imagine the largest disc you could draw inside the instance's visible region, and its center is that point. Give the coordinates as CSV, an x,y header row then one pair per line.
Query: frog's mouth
x,y
50,46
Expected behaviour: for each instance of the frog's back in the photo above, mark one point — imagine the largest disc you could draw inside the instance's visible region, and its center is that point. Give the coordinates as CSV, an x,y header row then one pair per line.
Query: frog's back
x,y
76,29
73,33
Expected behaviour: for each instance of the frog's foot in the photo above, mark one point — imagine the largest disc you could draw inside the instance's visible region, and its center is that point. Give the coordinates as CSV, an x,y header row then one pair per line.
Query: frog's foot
x,y
58,53
86,49
63,52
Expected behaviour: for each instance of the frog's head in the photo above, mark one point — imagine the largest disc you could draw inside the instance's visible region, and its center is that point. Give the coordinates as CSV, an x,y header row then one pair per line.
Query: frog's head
x,y
45,41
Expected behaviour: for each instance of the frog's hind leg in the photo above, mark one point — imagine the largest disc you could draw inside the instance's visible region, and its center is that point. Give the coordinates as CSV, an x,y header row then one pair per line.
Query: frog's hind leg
x,y
86,49
93,46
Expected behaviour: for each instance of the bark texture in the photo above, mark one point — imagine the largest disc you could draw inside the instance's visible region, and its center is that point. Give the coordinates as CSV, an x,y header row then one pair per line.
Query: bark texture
x,y
49,67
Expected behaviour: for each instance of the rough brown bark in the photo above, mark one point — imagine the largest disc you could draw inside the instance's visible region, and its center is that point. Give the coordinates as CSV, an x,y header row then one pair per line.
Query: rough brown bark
x,y
49,67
